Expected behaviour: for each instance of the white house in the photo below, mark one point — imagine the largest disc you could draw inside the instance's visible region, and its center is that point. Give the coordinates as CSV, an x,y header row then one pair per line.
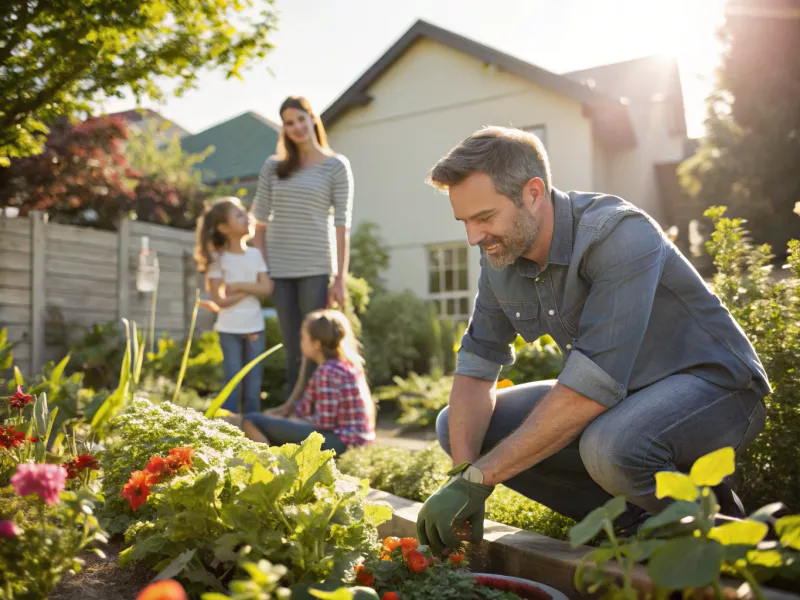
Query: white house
x,y
606,129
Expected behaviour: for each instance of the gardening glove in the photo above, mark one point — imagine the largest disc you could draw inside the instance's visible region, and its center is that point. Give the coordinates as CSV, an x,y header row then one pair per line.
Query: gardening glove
x,y
461,499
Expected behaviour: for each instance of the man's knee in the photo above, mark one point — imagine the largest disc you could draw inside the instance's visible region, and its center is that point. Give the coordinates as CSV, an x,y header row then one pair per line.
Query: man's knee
x,y
620,460
443,430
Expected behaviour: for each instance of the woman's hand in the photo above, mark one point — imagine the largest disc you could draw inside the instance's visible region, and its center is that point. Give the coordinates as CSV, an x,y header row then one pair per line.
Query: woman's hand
x,y
231,288
209,305
336,293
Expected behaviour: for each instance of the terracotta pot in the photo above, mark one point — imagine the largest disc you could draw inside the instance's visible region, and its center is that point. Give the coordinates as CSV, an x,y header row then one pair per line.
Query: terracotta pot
x,y
526,589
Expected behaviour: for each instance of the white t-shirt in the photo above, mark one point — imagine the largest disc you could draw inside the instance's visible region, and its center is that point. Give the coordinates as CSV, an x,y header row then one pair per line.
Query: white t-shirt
x,y
245,316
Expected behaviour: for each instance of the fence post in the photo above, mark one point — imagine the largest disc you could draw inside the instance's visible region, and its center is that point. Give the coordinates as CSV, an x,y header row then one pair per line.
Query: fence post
x,y
38,290
123,276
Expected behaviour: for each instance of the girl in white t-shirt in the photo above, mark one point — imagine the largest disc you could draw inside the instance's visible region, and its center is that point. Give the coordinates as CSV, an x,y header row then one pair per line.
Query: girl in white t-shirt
x,y
236,275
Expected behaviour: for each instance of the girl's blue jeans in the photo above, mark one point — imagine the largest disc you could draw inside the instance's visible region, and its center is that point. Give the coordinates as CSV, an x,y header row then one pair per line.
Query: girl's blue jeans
x,y
238,349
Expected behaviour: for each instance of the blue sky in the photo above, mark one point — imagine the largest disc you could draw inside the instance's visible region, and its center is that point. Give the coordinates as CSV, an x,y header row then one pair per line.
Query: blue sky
x,y
320,56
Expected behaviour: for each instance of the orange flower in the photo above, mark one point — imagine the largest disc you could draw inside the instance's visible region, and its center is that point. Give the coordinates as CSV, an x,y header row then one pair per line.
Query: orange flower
x,y
416,562
386,557
156,470
136,490
364,577
390,596
179,458
504,383
390,543
169,589
457,558
409,543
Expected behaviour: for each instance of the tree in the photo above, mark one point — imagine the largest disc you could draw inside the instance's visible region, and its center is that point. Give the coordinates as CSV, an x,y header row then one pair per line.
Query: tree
x,y
369,255
749,158
81,177
58,57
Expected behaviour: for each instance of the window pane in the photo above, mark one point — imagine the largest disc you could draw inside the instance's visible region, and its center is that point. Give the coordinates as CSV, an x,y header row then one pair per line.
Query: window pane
x,y
448,258
449,281
451,306
462,257
463,306
463,284
433,282
433,259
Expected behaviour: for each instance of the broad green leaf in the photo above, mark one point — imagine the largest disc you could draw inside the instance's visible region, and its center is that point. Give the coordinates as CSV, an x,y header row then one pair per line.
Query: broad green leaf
x,y
50,425
176,566
313,465
689,562
340,594
18,378
712,468
739,533
788,528
375,513
228,389
674,513
641,550
593,523
41,414
771,559
765,513
261,474
675,485
732,554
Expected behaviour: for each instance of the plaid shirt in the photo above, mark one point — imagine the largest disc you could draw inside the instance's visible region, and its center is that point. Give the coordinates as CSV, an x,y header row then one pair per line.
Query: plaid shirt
x,y
337,399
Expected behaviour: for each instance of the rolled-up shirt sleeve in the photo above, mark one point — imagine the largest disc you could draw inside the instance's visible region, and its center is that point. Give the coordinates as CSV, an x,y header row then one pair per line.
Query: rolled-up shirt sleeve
x,y
625,268
486,345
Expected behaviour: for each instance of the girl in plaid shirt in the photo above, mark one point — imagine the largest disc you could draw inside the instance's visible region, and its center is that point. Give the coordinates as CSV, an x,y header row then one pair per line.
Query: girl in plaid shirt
x,y
336,402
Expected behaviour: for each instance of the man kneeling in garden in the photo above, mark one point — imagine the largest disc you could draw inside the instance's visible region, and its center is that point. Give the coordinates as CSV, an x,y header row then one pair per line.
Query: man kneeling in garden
x,y
657,371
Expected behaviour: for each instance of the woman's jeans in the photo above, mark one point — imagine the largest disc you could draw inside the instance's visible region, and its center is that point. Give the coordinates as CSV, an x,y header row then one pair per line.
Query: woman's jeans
x,y
280,431
238,349
294,298
666,426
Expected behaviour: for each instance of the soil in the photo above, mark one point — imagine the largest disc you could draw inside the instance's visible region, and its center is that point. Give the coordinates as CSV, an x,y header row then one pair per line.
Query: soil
x,y
104,579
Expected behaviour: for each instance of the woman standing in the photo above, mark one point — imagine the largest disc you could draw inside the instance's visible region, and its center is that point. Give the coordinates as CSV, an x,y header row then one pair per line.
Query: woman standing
x,y
303,205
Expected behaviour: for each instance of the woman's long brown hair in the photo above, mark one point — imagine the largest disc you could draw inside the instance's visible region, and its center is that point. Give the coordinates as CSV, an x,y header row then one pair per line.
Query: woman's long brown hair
x,y
287,149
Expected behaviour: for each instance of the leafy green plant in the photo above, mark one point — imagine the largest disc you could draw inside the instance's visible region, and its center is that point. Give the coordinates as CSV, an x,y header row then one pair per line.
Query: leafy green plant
x,y
683,546
282,504
44,542
420,398
263,583
539,361
417,475
768,309
203,366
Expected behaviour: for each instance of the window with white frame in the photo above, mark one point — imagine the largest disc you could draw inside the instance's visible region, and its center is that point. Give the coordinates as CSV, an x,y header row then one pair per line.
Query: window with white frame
x,y
448,281
539,131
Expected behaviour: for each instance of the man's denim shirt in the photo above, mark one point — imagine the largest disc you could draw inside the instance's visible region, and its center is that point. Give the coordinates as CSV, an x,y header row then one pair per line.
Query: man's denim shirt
x,y
623,304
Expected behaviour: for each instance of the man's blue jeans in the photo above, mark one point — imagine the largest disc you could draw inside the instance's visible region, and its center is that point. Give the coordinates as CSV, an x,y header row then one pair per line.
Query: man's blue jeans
x,y
238,349
663,427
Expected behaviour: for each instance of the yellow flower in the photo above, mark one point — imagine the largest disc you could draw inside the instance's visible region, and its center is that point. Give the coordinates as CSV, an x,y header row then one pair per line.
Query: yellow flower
x,y
503,383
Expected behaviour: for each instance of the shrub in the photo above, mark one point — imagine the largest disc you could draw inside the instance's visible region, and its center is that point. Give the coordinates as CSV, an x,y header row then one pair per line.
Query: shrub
x,y
538,361
420,397
399,336
203,370
769,312
417,475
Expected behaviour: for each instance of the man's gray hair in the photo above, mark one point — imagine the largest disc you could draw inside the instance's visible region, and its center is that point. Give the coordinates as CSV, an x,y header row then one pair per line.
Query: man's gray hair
x,y
510,157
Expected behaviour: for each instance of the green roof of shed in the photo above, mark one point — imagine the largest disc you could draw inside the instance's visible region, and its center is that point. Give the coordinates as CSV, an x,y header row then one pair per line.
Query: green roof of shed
x,y
241,145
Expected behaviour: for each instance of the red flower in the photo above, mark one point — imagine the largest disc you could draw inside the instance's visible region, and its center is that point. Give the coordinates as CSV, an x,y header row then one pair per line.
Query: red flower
x,y
11,439
179,458
409,543
136,490
156,469
168,589
20,400
364,577
390,543
390,596
79,463
456,558
416,562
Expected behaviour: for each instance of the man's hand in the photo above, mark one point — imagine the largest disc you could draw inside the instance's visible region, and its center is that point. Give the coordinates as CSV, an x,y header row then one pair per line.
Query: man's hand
x,y
457,501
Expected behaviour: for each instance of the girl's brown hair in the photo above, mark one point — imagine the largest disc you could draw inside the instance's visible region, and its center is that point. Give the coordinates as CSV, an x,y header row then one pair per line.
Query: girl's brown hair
x,y
209,240
287,149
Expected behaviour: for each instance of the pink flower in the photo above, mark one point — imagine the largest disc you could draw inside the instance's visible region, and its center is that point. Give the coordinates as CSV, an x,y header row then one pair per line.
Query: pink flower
x,y
8,529
45,480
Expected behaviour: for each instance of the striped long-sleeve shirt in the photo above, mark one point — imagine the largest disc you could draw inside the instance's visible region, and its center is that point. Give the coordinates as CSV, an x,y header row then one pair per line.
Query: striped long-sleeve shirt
x,y
301,213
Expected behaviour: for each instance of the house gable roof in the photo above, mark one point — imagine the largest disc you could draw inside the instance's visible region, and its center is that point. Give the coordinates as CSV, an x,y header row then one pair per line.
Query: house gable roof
x,y
607,112
241,145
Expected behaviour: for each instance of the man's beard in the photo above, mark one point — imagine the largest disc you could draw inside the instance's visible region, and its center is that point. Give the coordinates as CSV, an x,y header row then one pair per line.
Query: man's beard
x,y
515,243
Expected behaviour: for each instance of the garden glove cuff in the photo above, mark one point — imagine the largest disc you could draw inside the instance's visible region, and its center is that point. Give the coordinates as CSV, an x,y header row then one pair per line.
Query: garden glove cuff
x,y
457,501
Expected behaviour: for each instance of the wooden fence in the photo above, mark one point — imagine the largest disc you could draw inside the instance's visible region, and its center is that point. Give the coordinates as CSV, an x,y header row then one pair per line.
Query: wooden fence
x,y
53,274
